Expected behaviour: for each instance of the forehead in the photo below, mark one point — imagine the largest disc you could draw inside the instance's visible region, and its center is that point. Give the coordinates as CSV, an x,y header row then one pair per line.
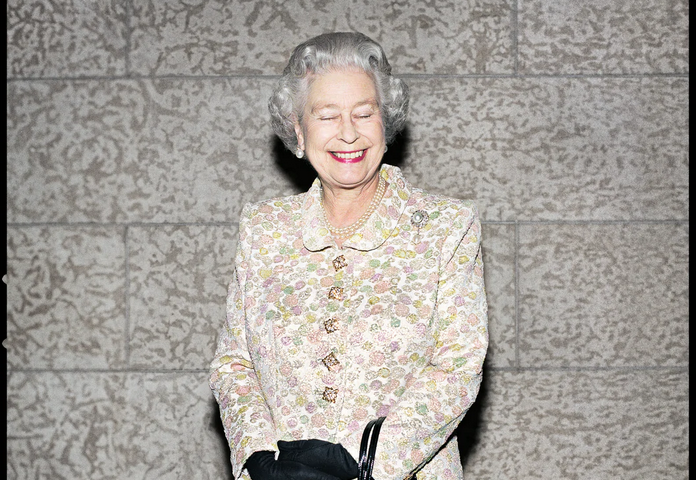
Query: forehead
x,y
341,89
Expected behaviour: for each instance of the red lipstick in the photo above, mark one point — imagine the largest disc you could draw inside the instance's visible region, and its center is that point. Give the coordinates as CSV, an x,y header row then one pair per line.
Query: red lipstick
x,y
349,160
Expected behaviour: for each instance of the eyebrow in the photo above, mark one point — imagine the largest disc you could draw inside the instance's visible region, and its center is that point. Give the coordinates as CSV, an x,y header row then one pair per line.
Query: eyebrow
x,y
369,101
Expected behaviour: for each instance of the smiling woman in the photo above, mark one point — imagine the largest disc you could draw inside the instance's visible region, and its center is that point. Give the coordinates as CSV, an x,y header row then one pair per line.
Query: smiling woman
x,y
361,298
343,136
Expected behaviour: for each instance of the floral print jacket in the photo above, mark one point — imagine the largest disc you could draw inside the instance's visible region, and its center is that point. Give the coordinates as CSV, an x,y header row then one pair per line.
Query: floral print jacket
x,y
319,340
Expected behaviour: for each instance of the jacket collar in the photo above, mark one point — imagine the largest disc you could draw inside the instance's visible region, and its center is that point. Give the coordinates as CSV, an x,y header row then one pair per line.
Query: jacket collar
x,y
374,233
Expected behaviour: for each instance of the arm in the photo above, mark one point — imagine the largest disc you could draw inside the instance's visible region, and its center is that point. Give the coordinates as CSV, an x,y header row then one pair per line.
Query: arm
x,y
243,409
439,395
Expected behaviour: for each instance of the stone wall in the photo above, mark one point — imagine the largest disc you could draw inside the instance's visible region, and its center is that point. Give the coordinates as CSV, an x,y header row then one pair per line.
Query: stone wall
x,y
137,130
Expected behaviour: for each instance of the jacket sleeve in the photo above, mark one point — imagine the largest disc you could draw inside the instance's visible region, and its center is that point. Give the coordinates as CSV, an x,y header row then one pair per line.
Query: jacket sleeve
x,y
438,396
234,381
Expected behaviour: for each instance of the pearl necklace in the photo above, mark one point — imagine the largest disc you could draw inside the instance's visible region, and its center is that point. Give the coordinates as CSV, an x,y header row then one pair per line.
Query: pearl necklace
x,y
345,232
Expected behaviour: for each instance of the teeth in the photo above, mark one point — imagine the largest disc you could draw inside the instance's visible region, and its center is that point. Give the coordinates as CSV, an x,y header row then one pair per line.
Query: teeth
x,y
349,156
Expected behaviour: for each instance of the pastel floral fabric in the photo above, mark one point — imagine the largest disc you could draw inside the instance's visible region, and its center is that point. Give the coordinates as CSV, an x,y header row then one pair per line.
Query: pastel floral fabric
x,y
319,340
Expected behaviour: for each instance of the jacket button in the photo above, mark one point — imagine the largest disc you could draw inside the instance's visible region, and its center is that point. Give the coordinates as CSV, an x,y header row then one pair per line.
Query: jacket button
x,y
331,325
330,361
330,394
339,262
336,293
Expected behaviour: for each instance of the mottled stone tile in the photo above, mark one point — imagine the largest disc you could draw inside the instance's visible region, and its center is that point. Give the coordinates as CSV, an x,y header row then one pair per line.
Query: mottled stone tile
x,y
71,152
196,150
604,295
65,297
141,151
600,37
70,38
178,285
173,429
209,149
553,148
499,270
100,426
65,425
602,425
223,38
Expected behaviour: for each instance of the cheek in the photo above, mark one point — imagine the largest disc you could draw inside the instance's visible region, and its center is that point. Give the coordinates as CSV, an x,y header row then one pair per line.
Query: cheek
x,y
316,136
375,131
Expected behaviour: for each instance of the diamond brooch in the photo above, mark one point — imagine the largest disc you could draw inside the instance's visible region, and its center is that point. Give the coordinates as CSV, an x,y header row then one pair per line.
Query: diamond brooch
x,y
418,220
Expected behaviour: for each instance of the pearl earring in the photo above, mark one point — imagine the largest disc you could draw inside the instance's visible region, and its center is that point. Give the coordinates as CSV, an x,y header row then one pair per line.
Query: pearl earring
x,y
299,153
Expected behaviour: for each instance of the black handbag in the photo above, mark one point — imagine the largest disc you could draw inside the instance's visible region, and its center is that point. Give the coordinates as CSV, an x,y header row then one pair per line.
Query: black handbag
x,y
368,446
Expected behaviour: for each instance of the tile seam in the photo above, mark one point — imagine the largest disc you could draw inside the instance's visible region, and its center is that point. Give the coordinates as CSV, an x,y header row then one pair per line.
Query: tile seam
x,y
183,224
582,222
412,76
516,276
515,38
105,370
602,222
637,368
236,224
125,224
127,46
126,267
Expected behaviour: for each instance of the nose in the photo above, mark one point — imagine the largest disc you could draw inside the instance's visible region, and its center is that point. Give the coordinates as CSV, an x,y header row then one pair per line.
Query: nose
x,y
347,131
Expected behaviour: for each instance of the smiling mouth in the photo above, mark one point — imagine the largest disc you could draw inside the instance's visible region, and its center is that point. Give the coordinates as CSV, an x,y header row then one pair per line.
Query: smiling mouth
x,y
349,157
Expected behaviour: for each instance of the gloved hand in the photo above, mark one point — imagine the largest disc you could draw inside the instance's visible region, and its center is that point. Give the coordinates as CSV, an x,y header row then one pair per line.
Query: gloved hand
x,y
324,456
263,466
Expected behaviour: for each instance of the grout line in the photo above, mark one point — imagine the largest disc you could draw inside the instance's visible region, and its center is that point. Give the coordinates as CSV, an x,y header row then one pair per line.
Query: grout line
x,y
412,76
106,370
606,75
657,368
127,297
515,38
136,77
127,47
233,224
601,222
676,368
121,224
584,222
183,224
516,275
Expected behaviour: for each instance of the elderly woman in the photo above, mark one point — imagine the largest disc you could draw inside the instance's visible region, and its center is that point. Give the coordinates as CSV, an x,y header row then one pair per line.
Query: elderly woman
x,y
361,298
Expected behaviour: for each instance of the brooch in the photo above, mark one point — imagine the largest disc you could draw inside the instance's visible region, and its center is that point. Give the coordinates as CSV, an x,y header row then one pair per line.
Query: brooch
x,y
418,220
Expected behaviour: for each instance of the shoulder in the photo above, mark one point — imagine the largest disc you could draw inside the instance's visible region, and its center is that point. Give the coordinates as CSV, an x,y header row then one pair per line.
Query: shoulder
x,y
443,211
261,221
271,210
448,222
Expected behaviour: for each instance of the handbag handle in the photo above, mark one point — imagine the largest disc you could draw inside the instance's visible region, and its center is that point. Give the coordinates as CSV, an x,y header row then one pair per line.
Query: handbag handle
x,y
367,454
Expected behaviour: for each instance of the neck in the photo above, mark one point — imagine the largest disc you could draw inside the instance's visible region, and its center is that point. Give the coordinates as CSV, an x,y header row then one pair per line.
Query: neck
x,y
345,208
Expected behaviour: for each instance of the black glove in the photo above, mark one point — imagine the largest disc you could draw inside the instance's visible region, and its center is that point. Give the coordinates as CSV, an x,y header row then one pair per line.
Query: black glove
x,y
263,466
324,456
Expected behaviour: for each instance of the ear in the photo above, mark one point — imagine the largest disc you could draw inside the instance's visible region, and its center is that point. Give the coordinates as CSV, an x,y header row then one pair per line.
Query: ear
x,y
300,135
